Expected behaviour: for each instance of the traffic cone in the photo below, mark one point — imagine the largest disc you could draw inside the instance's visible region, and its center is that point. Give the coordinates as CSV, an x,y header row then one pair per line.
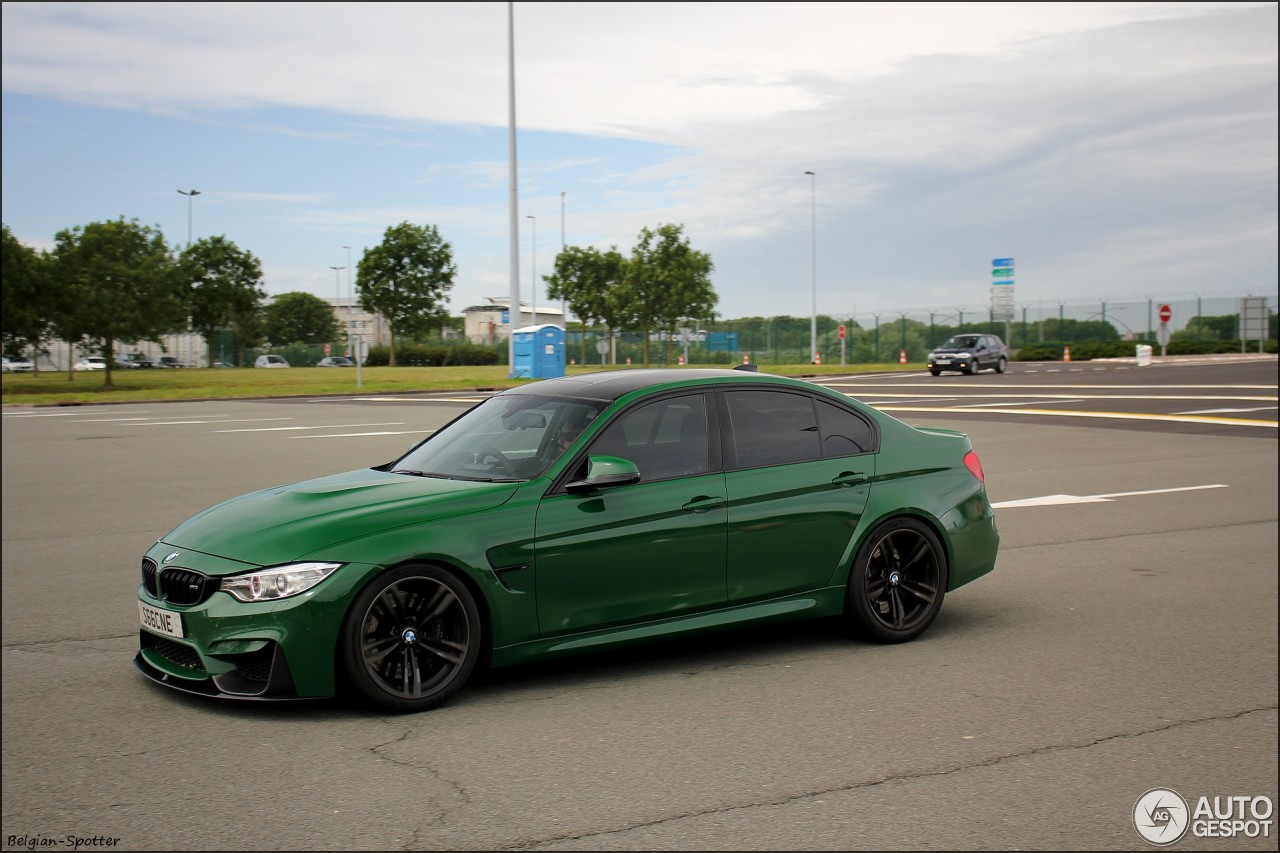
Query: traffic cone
x,y
746,358
628,361
1066,354
572,362
817,358
682,361
902,357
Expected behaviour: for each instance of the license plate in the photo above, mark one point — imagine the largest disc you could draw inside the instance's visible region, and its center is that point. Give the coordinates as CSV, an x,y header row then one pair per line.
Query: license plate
x,y
943,361
160,621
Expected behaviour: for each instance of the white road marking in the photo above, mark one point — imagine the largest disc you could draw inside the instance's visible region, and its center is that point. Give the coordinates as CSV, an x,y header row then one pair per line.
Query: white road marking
x,y
1058,500
362,434
1065,413
322,426
231,421
1028,403
1228,411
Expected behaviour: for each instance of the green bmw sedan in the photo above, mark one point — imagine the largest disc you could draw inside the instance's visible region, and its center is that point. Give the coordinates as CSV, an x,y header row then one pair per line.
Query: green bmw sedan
x,y
567,516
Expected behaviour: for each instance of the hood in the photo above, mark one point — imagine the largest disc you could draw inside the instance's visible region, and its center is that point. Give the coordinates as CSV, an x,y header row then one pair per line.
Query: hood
x,y
286,523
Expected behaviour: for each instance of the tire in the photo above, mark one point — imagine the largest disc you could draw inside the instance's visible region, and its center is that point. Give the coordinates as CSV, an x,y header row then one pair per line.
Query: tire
x,y
1002,365
411,638
898,581
974,367
936,372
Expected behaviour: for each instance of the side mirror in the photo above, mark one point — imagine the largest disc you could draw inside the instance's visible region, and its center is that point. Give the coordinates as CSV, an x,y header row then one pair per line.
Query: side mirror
x,y
606,471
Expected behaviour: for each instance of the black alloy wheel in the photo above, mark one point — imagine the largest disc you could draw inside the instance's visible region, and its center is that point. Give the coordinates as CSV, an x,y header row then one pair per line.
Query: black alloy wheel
x,y
412,638
898,581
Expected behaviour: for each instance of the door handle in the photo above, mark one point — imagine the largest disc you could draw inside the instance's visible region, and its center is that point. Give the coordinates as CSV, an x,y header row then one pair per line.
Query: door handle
x,y
702,503
849,478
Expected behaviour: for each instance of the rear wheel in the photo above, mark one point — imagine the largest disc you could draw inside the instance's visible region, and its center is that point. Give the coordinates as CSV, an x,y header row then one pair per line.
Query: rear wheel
x,y
898,582
412,638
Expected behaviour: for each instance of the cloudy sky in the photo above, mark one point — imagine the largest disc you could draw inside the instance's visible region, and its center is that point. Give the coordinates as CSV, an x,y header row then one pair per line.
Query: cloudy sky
x,y
1115,150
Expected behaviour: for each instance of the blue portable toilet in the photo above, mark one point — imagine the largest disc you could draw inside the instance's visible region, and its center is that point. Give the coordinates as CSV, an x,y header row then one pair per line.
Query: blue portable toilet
x,y
538,352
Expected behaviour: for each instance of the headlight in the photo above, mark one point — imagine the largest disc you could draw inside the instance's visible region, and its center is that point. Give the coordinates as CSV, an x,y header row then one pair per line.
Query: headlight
x,y
932,356
278,582
963,355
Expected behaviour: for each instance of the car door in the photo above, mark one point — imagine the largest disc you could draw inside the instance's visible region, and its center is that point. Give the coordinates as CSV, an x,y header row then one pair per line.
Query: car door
x,y
798,476
641,551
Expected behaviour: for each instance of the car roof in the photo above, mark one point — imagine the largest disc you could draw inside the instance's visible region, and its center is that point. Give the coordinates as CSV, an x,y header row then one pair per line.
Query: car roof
x,y
609,385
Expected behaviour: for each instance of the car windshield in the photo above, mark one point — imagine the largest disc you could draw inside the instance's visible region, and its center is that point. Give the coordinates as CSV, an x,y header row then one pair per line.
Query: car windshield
x,y
961,342
505,438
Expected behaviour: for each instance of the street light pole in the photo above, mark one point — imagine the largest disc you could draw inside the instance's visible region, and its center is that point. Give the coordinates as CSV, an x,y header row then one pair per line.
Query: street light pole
x,y
351,307
813,231
189,194
533,265
564,307
337,286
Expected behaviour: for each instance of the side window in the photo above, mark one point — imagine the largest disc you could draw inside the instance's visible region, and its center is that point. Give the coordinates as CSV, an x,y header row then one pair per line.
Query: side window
x,y
665,438
843,432
772,427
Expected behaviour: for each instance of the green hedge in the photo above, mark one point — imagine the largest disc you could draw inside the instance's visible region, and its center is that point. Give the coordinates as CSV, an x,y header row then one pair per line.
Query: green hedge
x,y
420,355
1084,351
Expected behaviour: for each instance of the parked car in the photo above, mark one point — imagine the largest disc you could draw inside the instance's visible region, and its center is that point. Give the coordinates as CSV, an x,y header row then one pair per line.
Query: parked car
x,y
133,360
335,361
270,361
969,354
91,362
570,515
169,361
20,364
220,364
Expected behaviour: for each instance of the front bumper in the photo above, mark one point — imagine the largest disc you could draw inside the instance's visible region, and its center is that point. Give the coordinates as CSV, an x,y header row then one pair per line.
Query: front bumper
x,y
283,649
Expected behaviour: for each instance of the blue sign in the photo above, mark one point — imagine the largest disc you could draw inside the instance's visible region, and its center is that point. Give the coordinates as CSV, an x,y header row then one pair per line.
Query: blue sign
x,y
1001,283
1002,262
506,317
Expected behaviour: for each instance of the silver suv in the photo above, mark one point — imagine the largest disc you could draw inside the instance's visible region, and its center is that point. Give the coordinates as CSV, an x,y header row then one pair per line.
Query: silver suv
x,y
969,353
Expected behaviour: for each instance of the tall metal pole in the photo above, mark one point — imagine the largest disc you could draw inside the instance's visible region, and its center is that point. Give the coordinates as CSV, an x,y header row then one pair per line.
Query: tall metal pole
x,y
813,230
533,266
189,194
564,306
513,211
337,289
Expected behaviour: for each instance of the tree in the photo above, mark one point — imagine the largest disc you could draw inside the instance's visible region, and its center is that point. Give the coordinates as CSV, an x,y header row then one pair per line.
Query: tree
x,y
666,280
584,279
118,281
300,318
226,290
406,278
25,312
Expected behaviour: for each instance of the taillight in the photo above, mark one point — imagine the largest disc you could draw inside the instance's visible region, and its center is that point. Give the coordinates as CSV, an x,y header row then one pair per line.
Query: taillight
x,y
974,464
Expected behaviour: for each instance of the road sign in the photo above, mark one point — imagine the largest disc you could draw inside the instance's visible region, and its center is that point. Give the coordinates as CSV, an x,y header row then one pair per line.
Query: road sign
x,y
1008,283
1162,335
1002,262
1166,313
1002,272
842,333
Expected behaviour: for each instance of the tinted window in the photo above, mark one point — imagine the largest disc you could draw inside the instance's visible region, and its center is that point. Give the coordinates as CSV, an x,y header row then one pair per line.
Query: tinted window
x,y
843,432
772,427
666,438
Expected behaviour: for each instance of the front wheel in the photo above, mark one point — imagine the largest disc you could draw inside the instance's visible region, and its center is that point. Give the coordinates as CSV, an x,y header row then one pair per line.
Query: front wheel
x,y
936,372
1002,364
898,582
412,638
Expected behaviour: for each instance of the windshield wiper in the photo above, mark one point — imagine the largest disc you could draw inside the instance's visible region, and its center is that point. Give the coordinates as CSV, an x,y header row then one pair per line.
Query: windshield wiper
x,y
423,474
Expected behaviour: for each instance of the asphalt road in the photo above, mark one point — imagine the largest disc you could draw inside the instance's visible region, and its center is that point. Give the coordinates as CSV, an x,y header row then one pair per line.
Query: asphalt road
x,y
1127,640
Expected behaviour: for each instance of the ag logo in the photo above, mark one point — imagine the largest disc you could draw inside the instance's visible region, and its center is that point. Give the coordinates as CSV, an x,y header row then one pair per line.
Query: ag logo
x,y
1161,816
169,559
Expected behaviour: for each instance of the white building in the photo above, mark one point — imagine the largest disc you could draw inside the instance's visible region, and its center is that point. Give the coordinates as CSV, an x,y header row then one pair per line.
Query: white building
x,y
488,324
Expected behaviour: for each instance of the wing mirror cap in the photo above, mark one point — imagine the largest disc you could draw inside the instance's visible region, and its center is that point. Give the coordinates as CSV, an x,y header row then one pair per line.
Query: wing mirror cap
x,y
605,471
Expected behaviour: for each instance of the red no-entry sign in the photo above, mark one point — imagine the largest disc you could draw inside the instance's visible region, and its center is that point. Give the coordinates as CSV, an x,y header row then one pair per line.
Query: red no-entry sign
x,y
842,331
1166,314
